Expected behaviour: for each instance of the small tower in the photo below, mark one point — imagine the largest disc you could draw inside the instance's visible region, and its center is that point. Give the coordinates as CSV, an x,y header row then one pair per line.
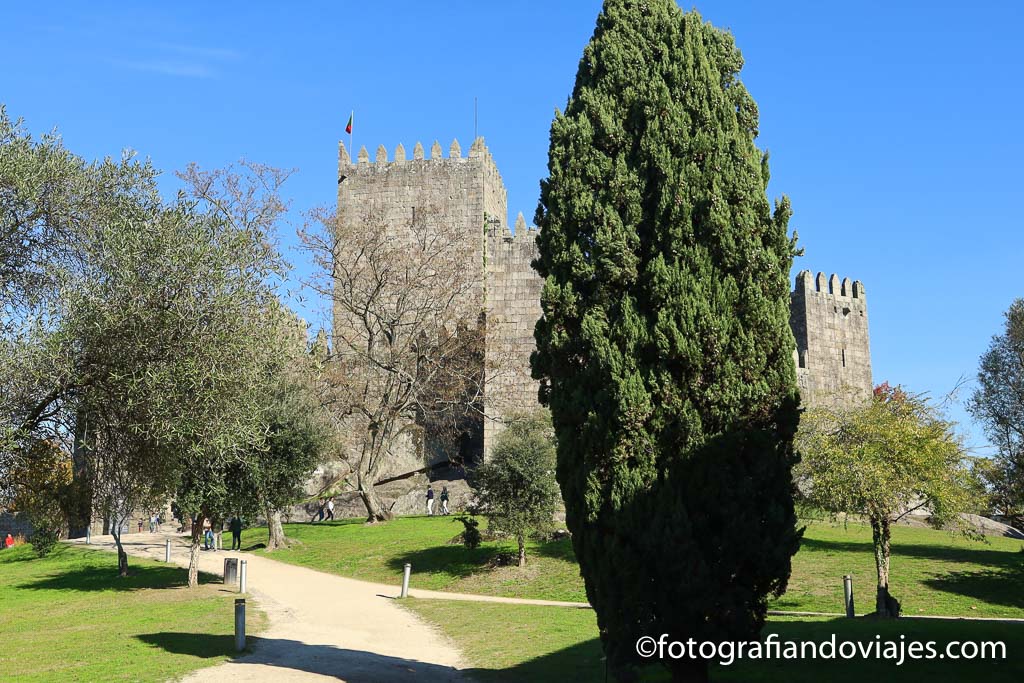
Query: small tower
x,y
829,318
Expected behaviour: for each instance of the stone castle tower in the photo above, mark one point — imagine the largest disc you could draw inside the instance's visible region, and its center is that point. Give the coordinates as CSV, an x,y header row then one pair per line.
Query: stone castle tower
x,y
830,323
828,317
468,191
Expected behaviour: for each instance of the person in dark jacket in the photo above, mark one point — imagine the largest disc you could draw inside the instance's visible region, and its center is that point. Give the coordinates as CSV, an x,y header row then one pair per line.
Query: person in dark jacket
x,y
430,499
236,533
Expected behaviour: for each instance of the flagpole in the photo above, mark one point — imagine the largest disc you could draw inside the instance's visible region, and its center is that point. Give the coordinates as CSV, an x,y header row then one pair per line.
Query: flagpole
x,y
352,118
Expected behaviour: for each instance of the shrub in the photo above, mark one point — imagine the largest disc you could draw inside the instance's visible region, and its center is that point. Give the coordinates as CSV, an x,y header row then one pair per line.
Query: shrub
x,y
44,539
471,534
516,487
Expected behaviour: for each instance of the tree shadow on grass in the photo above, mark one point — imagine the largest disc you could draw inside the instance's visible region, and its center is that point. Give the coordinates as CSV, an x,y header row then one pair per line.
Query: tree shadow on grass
x,y
106,579
455,560
354,666
556,550
581,662
976,553
991,586
584,660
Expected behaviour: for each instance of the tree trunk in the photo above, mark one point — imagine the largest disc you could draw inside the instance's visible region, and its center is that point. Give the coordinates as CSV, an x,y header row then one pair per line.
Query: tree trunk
x,y
80,517
522,550
276,538
122,556
375,511
885,604
689,671
193,554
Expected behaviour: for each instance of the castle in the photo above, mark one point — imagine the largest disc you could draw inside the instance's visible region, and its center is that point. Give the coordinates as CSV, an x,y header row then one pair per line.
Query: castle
x,y
828,316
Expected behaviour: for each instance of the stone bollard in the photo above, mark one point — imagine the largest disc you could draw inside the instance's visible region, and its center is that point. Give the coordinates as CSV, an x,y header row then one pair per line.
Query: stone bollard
x,y
167,550
239,624
230,570
242,577
88,535
848,595
405,580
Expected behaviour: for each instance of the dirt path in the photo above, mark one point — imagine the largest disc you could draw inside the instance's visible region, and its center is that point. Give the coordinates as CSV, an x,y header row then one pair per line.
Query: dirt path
x,y
322,627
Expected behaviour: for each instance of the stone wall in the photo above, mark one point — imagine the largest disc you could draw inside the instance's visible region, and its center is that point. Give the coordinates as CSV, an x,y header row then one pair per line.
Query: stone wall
x,y
828,316
513,308
830,323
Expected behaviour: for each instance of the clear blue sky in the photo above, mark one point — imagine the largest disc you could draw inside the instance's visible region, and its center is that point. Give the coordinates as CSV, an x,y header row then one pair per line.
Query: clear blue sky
x,y
895,127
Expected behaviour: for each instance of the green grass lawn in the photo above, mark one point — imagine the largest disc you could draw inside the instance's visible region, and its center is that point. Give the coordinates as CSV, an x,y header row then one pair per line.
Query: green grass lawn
x,y
507,643
933,572
68,617
379,552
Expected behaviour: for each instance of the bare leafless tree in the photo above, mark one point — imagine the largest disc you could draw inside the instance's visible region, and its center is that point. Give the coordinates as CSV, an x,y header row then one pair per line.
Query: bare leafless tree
x,y
407,343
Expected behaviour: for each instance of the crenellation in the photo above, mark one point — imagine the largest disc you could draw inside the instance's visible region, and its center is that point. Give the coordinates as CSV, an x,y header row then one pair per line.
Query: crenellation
x,y
435,150
400,152
455,151
477,148
820,283
520,224
382,155
343,158
417,151
364,156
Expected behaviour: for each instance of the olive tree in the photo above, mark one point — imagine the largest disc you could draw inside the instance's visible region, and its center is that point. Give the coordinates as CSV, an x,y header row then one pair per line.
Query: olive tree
x,y
516,486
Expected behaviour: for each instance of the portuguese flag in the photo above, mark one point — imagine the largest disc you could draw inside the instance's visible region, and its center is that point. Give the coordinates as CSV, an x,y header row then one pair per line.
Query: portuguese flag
x,y
348,127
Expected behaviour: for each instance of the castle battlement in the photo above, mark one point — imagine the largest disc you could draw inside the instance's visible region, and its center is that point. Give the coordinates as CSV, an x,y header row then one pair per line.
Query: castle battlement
x,y
831,286
478,150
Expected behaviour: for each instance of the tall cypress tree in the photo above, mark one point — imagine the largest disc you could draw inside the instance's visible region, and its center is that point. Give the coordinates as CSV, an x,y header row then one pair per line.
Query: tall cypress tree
x,y
665,351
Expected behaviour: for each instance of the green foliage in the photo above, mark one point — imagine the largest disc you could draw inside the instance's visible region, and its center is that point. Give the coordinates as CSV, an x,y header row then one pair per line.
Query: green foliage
x,y
516,487
140,325
44,538
884,459
665,351
41,482
471,537
998,403
297,436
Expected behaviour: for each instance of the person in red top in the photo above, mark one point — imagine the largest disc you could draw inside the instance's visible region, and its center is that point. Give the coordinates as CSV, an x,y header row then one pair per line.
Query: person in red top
x,y
9,541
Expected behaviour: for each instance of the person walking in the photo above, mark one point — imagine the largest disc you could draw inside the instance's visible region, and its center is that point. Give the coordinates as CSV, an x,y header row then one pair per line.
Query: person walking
x,y
236,533
153,523
323,504
9,541
430,500
330,508
444,501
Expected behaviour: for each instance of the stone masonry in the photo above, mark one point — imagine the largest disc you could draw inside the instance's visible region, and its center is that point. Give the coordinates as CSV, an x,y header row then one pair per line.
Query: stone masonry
x,y
830,323
828,316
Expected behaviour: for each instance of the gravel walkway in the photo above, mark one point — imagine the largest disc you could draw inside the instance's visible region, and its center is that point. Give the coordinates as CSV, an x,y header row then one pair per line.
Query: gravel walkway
x,y
322,627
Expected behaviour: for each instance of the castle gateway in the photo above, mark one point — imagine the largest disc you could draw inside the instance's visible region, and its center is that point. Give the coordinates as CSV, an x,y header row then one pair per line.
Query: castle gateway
x,y
828,315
